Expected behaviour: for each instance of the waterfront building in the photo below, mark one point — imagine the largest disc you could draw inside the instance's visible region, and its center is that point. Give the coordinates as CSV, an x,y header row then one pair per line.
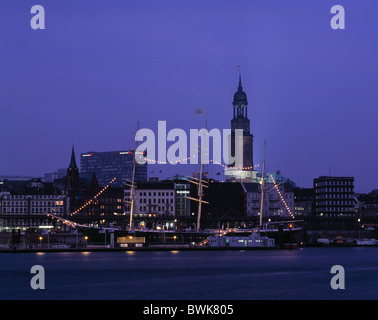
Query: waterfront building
x,y
113,164
182,188
25,204
152,199
278,200
226,205
303,202
334,201
111,207
368,207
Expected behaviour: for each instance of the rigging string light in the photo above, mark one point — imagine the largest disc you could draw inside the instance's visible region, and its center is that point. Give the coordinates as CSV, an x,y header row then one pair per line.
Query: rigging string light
x,y
159,162
188,158
282,199
95,197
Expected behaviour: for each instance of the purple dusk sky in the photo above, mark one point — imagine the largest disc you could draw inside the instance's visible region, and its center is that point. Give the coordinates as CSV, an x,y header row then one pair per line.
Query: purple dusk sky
x,y
99,66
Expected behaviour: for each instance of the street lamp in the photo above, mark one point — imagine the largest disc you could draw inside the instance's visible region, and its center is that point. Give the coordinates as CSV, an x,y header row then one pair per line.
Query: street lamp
x,y
40,242
86,238
174,239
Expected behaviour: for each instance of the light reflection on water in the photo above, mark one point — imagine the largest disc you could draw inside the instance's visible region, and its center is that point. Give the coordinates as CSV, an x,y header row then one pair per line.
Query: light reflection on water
x,y
298,274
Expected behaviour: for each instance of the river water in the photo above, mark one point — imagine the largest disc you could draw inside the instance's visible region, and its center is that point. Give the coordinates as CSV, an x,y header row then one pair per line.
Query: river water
x,y
304,273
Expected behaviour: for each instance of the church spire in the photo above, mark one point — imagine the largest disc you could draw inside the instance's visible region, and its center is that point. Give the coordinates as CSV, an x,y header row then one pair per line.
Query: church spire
x,y
240,98
72,182
73,165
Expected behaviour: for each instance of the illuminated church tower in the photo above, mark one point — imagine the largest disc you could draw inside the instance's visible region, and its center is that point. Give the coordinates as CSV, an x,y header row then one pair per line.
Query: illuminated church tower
x,y
240,121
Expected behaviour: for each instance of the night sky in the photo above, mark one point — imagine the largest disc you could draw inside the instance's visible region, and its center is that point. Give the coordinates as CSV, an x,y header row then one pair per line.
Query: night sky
x,y
100,66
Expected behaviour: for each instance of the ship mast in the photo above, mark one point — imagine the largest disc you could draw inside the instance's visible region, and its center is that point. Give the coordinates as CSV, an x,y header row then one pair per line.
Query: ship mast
x,y
262,187
200,194
200,186
131,184
201,183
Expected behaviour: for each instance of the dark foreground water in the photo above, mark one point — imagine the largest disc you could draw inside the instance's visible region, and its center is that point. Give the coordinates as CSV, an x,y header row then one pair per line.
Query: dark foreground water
x,y
175,275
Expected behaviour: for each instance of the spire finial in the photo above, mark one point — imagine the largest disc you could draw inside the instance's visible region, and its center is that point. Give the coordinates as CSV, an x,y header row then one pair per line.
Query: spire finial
x,y
240,83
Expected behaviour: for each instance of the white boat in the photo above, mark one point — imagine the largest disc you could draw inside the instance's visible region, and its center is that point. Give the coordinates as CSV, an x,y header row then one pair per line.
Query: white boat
x,y
60,246
242,240
339,241
366,242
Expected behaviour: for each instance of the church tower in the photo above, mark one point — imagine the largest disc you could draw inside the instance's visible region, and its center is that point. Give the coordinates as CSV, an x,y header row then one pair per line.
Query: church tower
x,y
72,177
240,121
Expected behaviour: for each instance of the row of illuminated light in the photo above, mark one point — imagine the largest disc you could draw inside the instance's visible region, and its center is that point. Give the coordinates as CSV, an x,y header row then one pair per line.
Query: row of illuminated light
x,y
188,158
95,197
122,152
282,198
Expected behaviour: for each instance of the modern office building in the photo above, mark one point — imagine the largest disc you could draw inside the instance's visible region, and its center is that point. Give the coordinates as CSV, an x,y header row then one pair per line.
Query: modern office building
x,y
109,165
334,197
182,188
